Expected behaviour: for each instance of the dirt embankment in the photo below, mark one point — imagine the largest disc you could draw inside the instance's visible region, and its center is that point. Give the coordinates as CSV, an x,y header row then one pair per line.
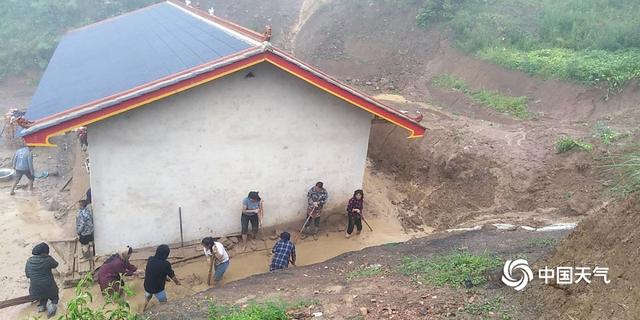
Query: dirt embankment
x,y
609,238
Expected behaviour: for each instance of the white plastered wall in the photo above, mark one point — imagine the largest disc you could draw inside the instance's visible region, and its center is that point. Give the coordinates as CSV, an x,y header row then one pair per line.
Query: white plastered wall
x,y
205,148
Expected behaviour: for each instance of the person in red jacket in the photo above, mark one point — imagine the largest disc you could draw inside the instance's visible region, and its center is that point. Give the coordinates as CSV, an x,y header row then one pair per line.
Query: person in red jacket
x,y
109,274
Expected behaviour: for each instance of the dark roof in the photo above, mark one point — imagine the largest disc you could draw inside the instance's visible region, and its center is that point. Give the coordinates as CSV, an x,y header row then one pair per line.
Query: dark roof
x,y
118,54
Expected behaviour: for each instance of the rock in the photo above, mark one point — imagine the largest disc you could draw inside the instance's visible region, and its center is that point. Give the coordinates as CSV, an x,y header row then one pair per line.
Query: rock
x,y
245,299
364,311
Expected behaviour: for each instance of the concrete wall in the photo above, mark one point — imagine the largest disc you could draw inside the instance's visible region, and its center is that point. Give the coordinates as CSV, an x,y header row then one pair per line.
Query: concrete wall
x,y
204,149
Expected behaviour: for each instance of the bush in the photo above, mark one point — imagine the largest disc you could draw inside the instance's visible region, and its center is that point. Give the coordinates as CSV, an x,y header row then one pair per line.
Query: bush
x,y
452,269
115,307
566,144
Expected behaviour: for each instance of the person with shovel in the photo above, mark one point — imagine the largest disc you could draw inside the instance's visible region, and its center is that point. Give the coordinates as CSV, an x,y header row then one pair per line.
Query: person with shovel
x,y
316,199
355,212
156,275
110,273
217,258
252,211
23,165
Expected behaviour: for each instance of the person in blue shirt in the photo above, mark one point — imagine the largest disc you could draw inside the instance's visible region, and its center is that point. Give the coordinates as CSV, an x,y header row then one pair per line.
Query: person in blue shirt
x,y
23,164
252,211
283,252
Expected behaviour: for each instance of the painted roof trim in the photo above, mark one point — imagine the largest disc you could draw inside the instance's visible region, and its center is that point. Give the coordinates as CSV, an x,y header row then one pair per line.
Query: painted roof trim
x,y
42,130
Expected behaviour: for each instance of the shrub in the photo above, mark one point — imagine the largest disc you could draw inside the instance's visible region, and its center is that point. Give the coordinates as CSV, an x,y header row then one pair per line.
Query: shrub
x,y
566,144
628,167
114,308
451,269
269,310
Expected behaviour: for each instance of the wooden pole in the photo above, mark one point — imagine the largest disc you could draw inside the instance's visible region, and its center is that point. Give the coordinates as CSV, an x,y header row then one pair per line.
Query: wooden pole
x,y
15,302
210,268
181,236
367,223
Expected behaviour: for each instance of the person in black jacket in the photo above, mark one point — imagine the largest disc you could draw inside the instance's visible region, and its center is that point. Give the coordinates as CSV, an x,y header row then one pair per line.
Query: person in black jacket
x,y
157,273
42,286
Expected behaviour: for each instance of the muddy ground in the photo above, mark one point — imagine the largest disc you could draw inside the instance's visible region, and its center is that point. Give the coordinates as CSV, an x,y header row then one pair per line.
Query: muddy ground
x,y
473,167
388,295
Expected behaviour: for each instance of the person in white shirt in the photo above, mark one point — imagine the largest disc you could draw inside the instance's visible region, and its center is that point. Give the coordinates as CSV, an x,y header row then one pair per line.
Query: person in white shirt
x,y
216,251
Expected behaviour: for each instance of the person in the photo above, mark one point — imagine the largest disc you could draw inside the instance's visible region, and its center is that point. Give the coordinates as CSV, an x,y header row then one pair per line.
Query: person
x,y
252,211
355,212
155,275
23,165
316,199
84,226
283,252
42,286
216,251
110,273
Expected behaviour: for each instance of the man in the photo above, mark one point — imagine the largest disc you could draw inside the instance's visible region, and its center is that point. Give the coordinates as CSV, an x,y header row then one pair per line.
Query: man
x,y
156,274
316,198
23,164
84,226
42,286
283,252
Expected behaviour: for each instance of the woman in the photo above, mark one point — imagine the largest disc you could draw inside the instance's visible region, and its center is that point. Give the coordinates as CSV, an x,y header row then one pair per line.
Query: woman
x,y
252,211
216,251
42,286
355,212
109,274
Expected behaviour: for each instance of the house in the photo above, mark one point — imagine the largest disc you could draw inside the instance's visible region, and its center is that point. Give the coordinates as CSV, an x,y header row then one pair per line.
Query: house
x,y
185,109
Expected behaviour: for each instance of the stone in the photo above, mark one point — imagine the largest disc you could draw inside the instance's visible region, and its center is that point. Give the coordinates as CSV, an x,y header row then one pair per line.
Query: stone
x,y
364,311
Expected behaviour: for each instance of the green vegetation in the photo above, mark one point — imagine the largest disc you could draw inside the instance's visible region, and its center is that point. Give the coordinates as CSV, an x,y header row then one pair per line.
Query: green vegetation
x,y
488,309
269,310
566,144
595,42
30,30
606,134
364,272
542,242
628,167
451,269
114,308
514,106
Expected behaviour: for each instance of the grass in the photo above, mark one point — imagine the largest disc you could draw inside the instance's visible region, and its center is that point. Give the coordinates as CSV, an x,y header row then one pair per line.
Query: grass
x,y
489,308
606,134
628,167
591,67
542,242
268,310
513,106
566,144
594,42
450,269
365,272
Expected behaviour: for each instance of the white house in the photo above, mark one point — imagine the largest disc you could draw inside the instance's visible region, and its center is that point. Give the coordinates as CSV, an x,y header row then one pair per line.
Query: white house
x,y
188,110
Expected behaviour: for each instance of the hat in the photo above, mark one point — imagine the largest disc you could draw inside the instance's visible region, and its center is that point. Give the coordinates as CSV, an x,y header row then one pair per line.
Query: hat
x,y
40,248
253,195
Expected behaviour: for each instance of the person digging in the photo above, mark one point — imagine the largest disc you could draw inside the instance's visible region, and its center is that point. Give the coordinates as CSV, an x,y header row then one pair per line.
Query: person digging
x,y
284,251
252,211
316,199
355,212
